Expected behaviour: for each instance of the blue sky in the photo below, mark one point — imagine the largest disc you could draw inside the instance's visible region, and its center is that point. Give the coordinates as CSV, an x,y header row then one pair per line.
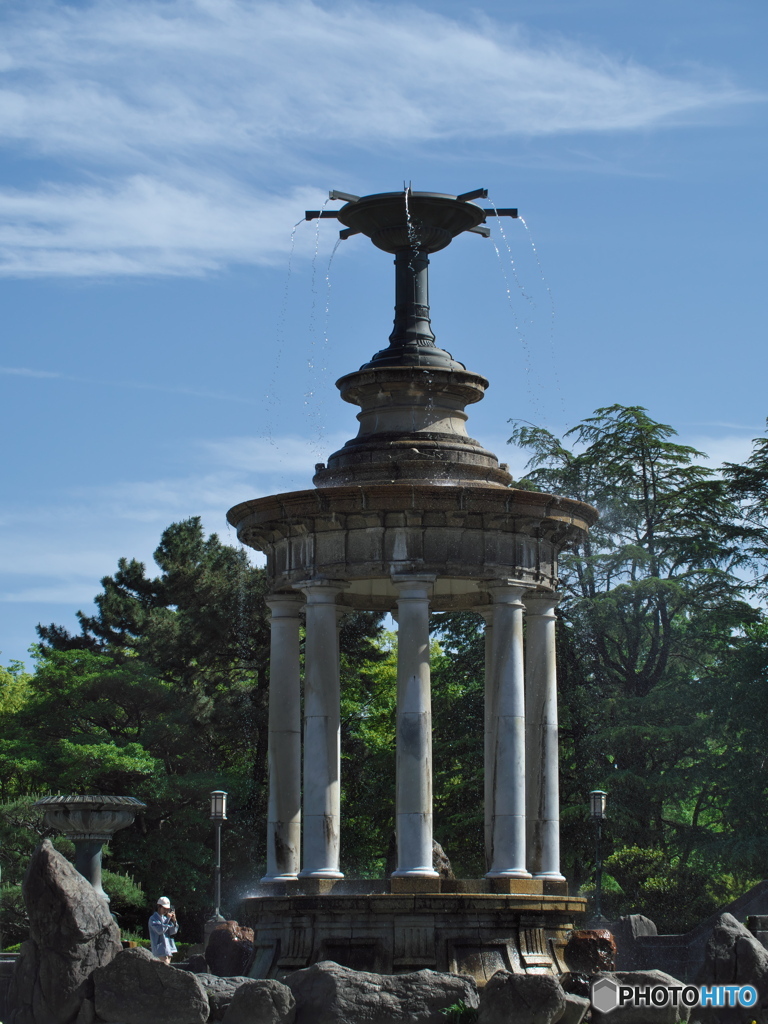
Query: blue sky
x,y
169,347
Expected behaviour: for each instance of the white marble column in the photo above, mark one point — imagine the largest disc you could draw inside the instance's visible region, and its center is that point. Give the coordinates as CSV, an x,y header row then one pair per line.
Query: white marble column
x,y
284,813
488,731
507,851
542,800
414,729
322,733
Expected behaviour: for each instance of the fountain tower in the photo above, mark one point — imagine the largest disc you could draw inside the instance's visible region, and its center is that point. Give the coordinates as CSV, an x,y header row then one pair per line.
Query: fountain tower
x,y
412,515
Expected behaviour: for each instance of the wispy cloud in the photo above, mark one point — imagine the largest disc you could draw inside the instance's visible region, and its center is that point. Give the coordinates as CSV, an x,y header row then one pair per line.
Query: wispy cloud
x,y
273,455
98,524
730,448
24,371
145,225
166,123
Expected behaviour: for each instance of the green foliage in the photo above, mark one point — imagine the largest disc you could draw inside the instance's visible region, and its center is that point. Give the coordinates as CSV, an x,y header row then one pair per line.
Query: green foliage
x,y
651,602
457,741
675,896
369,696
14,688
13,915
161,696
126,896
460,1013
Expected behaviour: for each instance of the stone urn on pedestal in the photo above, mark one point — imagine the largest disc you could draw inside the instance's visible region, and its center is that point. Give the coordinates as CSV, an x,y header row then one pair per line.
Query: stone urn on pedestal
x,y
89,821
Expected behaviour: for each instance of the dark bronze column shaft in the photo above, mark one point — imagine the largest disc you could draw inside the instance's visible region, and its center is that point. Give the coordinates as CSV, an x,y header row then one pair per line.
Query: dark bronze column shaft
x,y
412,326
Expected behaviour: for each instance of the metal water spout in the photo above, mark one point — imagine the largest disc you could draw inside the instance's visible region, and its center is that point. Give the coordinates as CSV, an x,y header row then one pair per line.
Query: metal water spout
x,y
412,226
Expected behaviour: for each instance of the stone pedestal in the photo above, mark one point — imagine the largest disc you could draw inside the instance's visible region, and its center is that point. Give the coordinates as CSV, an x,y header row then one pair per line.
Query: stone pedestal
x,y
90,821
465,932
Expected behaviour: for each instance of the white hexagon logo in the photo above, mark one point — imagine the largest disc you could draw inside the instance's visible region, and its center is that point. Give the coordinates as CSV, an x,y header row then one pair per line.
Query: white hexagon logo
x,y
605,995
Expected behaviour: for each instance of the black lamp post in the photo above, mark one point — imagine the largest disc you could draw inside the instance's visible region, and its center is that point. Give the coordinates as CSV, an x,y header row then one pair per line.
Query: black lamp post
x,y
597,802
218,815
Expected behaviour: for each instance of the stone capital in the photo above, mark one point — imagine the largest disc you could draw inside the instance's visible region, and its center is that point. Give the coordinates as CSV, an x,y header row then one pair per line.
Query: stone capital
x,y
507,592
284,606
413,587
321,591
538,602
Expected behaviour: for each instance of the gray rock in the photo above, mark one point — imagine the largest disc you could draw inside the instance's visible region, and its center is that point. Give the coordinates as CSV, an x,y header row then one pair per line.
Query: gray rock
x,y
138,989
626,932
220,992
733,956
87,1014
197,964
262,1002
72,933
575,1009
522,998
326,993
632,1014
440,862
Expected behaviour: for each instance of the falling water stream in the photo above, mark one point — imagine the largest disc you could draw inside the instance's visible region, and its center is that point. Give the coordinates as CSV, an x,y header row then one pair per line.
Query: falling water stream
x,y
317,363
270,397
551,346
311,361
535,385
520,333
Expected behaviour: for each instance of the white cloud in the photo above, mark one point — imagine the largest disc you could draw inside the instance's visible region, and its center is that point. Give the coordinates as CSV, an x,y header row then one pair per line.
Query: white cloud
x,y
97,525
24,371
106,78
80,594
175,122
274,455
143,225
730,448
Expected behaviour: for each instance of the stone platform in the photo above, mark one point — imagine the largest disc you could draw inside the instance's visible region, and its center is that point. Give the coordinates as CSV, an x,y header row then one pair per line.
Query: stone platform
x,y
464,928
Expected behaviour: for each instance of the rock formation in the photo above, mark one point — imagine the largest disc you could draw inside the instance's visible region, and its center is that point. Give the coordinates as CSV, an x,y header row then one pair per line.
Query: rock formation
x,y
71,933
326,993
522,998
135,988
261,1002
733,956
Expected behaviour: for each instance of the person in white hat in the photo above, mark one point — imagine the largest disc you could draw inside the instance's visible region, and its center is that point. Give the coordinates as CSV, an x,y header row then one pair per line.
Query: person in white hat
x,y
162,926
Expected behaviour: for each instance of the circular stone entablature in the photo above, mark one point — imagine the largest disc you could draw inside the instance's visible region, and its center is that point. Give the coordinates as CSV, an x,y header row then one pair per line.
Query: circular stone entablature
x,y
363,536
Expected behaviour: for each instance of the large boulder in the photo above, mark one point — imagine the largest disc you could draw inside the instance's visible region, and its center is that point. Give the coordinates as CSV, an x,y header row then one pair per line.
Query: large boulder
x,y
72,933
627,932
261,1002
610,1013
591,950
327,993
220,992
575,1009
136,988
522,998
229,950
733,956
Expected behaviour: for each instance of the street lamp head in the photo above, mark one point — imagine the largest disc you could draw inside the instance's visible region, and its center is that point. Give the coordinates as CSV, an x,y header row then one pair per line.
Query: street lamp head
x,y
218,805
597,802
